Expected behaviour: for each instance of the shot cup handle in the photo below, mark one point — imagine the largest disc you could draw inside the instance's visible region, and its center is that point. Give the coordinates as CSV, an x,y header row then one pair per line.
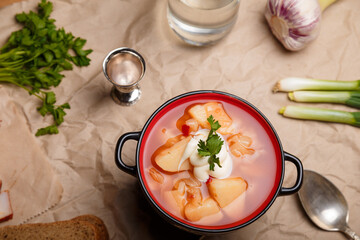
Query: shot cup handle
x,y
299,169
120,143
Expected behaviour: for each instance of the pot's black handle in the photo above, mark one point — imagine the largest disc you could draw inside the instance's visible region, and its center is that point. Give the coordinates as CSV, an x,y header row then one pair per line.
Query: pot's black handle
x,y
300,174
120,143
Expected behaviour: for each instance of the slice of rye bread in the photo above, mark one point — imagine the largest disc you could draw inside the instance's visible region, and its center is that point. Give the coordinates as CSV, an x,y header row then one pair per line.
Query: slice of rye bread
x,y
74,229
97,222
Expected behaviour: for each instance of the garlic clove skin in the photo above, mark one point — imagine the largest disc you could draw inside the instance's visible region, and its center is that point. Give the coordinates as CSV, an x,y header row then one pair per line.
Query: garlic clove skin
x,y
295,23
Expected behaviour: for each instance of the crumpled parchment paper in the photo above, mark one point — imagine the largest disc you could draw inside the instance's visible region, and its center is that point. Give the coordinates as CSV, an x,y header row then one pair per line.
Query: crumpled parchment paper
x,y
247,63
33,186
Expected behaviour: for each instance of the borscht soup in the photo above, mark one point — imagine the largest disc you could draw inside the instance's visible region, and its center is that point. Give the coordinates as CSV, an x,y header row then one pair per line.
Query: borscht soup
x,y
210,162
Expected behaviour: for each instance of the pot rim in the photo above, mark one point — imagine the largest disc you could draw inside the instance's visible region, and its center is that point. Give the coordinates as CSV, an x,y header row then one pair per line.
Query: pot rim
x,y
183,224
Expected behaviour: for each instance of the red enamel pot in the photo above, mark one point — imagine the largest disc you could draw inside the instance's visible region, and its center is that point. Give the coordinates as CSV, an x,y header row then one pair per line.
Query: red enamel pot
x,y
143,138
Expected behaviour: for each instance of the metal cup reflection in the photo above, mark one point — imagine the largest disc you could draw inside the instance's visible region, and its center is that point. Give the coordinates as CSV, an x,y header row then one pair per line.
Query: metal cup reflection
x,y
124,68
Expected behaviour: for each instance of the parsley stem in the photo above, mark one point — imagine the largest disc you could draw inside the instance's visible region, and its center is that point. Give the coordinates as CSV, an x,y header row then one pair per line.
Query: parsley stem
x,y
8,80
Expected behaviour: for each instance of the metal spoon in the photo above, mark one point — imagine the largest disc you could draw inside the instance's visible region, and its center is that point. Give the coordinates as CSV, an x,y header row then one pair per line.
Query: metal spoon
x,y
324,204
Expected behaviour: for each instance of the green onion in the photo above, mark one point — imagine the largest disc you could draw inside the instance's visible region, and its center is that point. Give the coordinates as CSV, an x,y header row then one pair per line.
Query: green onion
x,y
294,84
320,114
350,98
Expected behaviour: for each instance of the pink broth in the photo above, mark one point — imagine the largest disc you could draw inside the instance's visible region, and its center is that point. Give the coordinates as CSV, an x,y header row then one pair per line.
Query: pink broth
x,y
259,170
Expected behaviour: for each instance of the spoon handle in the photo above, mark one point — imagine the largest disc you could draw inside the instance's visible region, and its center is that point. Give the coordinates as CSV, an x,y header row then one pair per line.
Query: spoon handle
x,y
351,233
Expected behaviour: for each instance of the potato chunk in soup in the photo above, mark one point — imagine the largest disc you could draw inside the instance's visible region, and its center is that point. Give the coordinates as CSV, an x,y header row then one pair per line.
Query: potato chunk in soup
x,y
169,159
224,191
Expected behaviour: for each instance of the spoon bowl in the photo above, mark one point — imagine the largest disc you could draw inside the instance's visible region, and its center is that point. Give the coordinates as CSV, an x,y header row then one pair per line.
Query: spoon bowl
x,y
325,204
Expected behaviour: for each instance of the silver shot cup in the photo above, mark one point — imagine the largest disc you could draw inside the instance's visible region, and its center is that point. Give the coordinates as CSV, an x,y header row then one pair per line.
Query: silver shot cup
x,y
124,68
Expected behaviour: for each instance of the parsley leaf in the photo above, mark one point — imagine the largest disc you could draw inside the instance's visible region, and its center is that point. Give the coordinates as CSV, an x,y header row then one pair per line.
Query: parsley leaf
x,y
47,130
213,144
202,150
213,125
212,160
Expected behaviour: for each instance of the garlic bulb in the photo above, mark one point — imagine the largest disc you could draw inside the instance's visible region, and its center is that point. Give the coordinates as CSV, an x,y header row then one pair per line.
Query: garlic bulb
x,y
295,23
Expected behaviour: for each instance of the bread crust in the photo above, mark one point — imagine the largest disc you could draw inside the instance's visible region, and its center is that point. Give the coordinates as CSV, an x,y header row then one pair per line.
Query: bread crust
x,y
97,222
85,227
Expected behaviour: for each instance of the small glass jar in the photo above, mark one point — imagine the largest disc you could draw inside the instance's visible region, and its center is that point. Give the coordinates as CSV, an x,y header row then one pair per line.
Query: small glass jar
x,y
202,22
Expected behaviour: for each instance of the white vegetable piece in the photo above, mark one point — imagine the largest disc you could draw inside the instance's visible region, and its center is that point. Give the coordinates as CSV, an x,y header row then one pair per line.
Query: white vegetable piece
x,y
6,212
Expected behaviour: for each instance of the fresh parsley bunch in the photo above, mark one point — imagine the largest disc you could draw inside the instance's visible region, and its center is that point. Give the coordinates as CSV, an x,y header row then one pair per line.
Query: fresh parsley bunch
x,y
34,57
213,144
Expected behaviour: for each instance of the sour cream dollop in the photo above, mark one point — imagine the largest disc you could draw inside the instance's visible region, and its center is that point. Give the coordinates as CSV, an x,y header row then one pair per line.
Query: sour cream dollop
x,y
201,166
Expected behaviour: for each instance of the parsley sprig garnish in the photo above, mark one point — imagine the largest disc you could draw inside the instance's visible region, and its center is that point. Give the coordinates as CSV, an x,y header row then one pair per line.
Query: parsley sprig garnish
x,y
35,56
213,144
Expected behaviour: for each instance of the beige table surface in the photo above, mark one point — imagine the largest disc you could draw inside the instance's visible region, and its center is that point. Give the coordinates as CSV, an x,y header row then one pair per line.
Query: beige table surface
x,y
246,63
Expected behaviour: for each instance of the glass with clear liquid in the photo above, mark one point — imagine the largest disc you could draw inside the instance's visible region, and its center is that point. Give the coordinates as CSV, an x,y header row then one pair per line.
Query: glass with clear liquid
x,y
202,22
